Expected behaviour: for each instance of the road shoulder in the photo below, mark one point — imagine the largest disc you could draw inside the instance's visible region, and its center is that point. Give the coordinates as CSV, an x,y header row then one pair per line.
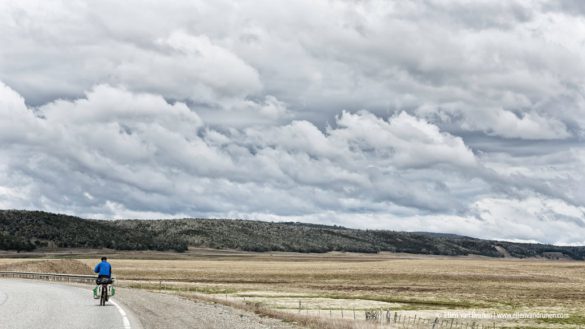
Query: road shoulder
x,y
157,310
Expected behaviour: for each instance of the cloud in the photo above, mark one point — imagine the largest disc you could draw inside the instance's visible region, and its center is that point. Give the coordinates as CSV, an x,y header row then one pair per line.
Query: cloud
x,y
499,122
189,67
406,140
115,140
499,60
385,114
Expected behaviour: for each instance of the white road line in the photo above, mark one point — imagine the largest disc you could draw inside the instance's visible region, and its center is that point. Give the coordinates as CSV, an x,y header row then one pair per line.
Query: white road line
x,y
123,314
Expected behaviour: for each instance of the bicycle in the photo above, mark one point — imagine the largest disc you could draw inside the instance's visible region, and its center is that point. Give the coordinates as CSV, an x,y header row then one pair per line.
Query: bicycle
x,y
103,283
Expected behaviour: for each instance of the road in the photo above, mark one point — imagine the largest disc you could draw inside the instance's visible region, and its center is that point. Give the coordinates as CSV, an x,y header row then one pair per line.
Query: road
x,y
35,304
40,304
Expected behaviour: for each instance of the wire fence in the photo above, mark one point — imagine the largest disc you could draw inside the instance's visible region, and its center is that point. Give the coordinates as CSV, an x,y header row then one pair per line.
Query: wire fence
x,y
380,317
399,320
394,319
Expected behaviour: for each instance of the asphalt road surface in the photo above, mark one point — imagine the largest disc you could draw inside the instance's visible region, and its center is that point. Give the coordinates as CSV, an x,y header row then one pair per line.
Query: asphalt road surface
x,y
31,304
40,304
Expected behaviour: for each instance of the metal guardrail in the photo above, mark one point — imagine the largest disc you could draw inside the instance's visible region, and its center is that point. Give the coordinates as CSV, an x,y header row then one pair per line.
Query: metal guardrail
x,y
49,276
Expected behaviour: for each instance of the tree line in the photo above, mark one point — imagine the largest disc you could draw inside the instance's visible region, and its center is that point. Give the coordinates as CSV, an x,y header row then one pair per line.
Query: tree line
x,y
27,230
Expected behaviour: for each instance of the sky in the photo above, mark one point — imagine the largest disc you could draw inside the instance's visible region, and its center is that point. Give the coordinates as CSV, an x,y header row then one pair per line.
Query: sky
x,y
453,116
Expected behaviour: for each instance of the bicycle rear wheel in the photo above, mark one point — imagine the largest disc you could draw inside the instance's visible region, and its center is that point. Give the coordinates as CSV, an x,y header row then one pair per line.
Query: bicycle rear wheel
x,y
104,296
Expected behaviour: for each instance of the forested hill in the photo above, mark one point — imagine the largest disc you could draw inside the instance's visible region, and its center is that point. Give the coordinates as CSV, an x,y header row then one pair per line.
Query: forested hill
x,y
28,230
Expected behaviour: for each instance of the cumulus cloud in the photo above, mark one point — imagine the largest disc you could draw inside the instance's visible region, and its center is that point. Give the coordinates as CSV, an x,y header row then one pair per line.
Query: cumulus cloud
x,y
139,141
442,115
188,67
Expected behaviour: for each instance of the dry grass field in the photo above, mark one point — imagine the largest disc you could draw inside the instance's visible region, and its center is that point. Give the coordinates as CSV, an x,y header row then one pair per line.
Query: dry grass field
x,y
326,284
413,284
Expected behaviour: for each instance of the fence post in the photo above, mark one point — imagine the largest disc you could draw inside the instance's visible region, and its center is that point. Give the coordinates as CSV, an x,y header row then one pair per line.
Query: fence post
x,y
435,322
380,315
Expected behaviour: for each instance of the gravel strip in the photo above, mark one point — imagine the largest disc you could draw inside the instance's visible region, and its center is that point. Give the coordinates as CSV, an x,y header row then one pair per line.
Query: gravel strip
x,y
156,310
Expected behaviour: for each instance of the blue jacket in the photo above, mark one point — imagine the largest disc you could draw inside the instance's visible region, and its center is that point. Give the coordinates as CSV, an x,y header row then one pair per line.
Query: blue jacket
x,y
103,268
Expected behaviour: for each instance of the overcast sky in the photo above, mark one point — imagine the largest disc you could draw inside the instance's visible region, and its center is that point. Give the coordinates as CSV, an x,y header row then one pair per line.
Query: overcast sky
x,y
441,115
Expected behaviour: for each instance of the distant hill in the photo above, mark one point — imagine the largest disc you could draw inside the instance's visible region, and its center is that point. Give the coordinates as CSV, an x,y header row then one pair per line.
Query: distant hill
x,y
27,230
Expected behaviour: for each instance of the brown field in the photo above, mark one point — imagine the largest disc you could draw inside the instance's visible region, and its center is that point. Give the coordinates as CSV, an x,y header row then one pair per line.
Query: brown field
x,y
326,284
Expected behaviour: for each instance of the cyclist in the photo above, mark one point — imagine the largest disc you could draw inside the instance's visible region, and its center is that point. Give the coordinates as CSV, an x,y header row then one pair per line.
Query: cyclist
x,y
104,271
